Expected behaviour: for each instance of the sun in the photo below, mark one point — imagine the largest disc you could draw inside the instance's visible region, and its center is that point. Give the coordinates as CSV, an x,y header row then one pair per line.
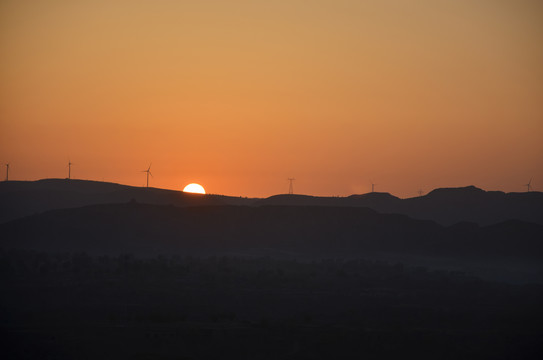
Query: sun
x,y
194,188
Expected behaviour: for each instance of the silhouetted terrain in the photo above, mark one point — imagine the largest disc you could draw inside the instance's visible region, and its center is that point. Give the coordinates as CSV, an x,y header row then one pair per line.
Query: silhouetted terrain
x,y
152,229
444,206
23,198
292,231
86,266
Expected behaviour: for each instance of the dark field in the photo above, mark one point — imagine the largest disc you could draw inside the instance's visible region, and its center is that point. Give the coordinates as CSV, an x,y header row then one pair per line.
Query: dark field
x,y
74,306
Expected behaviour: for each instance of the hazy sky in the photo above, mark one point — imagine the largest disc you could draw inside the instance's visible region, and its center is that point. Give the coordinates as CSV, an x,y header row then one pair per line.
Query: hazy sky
x,y
240,95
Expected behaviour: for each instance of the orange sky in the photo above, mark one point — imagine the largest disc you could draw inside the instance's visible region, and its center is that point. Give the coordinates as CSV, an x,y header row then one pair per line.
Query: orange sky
x,y
240,95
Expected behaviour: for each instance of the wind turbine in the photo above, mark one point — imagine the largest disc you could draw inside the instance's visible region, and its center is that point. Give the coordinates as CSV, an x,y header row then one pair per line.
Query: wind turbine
x,y
148,171
529,185
373,186
7,171
69,169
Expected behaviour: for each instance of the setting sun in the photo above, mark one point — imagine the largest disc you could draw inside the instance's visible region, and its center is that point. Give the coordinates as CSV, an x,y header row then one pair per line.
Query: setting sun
x,y
194,188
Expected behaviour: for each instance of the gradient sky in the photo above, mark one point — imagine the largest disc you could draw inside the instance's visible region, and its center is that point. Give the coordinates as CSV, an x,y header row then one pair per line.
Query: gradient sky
x,y
240,95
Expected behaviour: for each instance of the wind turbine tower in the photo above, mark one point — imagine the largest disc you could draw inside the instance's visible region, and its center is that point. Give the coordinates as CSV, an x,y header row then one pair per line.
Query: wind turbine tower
x,y
69,169
420,192
7,172
148,171
373,187
529,185
290,186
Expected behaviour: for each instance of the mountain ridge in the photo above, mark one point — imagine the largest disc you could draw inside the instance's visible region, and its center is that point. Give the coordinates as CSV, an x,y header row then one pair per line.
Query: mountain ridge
x,y
445,206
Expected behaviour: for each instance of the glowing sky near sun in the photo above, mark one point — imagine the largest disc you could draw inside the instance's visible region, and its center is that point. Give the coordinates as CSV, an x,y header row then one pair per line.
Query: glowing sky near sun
x,y
241,95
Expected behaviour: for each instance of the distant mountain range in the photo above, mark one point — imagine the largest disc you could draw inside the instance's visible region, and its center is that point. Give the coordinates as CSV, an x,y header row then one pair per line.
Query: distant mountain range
x,y
444,206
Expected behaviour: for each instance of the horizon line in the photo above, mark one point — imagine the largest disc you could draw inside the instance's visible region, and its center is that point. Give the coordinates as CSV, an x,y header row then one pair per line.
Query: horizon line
x,y
278,194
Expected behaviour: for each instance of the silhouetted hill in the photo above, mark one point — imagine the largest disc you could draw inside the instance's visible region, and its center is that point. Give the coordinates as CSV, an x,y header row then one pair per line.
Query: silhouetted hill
x,y
22,198
382,202
445,206
370,200
449,206
151,229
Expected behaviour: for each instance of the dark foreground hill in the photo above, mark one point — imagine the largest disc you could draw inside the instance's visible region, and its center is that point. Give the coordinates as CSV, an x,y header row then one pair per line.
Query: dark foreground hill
x,y
151,229
444,206
143,229
76,306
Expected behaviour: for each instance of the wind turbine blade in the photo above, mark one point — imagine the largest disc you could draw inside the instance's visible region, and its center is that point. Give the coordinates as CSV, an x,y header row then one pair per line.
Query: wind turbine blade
x,y
150,173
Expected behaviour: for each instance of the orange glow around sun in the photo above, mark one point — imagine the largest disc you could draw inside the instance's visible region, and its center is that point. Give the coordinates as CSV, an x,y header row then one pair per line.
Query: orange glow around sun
x,y
242,95
194,188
